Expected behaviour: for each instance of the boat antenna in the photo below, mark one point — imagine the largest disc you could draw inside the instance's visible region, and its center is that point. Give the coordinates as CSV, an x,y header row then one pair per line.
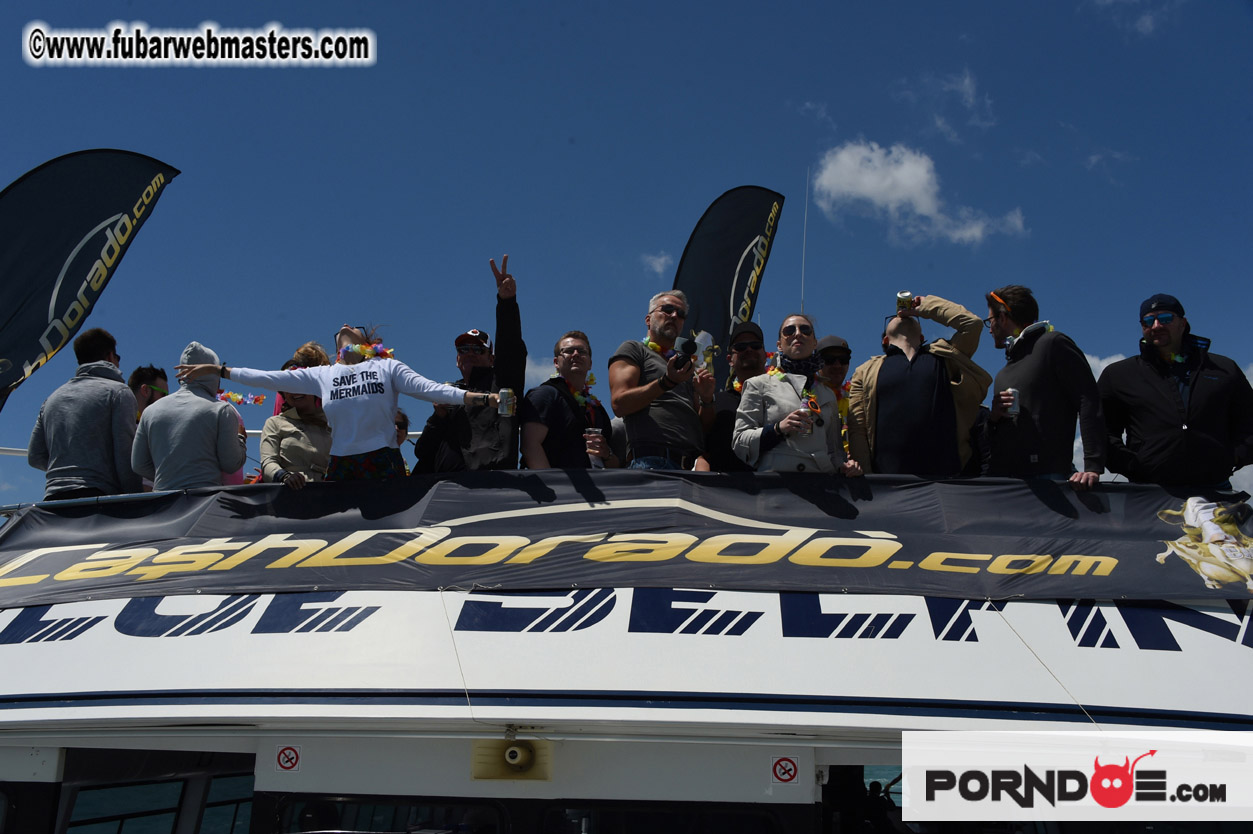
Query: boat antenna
x,y
804,236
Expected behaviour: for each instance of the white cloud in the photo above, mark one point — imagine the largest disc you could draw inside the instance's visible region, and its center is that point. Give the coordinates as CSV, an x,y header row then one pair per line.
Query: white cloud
x,y
538,369
659,263
900,185
978,107
1029,157
1141,17
1099,364
1248,371
946,130
817,110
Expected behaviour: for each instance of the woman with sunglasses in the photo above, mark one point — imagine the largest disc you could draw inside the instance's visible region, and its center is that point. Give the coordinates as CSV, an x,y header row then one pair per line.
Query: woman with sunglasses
x,y
787,420
359,397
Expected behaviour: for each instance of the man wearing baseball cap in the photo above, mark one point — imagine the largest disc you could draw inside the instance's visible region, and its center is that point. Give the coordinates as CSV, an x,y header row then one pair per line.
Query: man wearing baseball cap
x,y
1187,413
457,438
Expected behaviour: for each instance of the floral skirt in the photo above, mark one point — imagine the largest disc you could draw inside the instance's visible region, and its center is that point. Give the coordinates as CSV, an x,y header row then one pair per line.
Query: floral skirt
x,y
381,463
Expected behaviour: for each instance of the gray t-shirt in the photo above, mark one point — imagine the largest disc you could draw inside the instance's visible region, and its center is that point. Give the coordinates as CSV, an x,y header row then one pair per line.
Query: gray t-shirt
x,y
671,420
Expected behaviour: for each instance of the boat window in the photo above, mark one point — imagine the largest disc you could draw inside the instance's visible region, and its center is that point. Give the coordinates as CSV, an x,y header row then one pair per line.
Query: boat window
x,y
149,808
228,806
381,815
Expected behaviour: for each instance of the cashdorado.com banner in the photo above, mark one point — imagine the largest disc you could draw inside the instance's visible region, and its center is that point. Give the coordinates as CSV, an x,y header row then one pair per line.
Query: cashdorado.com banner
x,y
67,224
979,539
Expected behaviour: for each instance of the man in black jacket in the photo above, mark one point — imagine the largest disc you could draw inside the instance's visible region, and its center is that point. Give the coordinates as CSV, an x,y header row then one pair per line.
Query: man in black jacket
x,y
1187,413
1055,389
457,438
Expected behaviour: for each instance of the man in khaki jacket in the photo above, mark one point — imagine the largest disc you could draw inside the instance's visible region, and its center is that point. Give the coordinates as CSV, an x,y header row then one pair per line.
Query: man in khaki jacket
x,y
911,409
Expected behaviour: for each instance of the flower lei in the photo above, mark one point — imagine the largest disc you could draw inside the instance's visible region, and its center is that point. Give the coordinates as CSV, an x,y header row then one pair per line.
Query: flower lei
x,y
368,351
656,348
585,398
240,399
808,398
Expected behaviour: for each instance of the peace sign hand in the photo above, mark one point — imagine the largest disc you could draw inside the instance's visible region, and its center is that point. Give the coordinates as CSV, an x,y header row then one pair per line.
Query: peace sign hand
x,y
506,287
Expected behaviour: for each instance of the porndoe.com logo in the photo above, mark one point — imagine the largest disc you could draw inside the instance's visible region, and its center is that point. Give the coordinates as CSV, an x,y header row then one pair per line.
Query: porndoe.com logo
x,y
1039,776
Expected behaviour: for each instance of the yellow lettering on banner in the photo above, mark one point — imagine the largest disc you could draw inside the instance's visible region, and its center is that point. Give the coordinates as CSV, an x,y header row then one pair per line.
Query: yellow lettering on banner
x,y
187,557
97,276
940,561
108,563
1099,565
330,557
1034,564
773,548
27,558
543,547
877,551
276,541
641,547
498,547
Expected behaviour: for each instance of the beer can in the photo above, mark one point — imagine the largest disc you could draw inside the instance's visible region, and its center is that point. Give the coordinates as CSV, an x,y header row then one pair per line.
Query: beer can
x,y
904,300
596,461
809,427
508,405
1013,408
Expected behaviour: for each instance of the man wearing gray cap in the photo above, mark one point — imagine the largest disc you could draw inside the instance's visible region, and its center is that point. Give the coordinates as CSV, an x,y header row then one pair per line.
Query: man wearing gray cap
x,y
1187,413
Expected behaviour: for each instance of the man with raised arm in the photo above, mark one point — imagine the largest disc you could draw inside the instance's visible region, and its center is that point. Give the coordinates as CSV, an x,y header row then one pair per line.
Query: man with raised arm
x,y
911,409
458,438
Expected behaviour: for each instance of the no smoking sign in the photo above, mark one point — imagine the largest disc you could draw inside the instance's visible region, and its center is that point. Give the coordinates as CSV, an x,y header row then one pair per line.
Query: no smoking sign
x,y
783,770
288,759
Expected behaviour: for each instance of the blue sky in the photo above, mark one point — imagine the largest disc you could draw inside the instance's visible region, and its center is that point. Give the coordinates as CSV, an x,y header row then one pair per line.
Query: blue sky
x,y
1096,151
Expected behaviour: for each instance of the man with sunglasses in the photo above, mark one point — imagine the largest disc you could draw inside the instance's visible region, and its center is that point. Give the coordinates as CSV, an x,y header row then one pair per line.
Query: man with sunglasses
x,y
1055,389
746,357
911,409
1187,413
665,401
148,384
458,438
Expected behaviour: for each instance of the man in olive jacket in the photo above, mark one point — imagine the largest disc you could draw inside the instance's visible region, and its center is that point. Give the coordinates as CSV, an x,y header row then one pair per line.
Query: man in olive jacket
x,y
911,409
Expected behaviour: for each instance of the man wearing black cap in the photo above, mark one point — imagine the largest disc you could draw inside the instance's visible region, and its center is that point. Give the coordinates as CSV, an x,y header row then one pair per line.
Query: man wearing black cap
x,y
1187,413
457,438
1055,389
746,356
836,356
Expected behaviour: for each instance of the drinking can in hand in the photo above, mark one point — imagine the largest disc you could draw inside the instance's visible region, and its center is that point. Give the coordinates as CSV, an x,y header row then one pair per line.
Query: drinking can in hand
x,y
596,460
508,405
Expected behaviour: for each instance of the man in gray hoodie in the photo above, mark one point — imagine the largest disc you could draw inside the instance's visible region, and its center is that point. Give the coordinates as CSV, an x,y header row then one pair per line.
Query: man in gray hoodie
x,y
188,439
83,435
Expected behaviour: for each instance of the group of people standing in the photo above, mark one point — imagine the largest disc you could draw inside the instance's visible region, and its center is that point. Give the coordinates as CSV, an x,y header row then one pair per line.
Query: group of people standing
x,y
1175,414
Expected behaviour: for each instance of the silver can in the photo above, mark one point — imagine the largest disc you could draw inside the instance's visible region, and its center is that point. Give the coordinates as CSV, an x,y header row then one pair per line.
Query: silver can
x,y
904,300
596,461
508,405
1013,408
809,427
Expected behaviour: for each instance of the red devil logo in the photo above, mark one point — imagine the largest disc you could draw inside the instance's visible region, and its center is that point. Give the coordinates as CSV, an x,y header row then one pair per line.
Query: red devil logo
x,y
1111,785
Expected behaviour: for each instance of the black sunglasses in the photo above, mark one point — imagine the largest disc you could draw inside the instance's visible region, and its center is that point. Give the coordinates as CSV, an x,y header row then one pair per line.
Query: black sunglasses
x,y
672,310
742,346
805,329
476,349
837,358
